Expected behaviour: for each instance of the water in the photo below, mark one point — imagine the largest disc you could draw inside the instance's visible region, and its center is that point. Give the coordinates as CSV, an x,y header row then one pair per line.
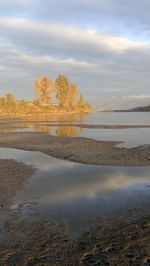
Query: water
x,y
119,118
131,136
79,193
102,118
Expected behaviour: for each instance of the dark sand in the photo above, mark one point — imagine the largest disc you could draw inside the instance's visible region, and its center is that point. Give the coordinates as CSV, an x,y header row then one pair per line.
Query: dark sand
x,y
13,178
77,149
40,241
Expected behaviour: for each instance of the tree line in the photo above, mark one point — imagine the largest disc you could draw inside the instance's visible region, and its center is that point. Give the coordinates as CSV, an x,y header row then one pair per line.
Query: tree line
x,y
56,96
66,92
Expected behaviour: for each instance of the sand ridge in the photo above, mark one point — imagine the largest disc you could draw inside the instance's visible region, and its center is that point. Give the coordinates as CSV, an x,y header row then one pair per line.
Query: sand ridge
x,y
77,149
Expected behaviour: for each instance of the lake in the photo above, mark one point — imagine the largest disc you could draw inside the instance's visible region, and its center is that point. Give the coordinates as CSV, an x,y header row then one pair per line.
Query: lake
x,y
77,193
130,136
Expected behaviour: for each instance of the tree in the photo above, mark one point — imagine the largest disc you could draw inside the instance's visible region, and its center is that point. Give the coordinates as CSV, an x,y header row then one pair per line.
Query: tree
x,y
73,95
44,89
10,98
63,90
82,102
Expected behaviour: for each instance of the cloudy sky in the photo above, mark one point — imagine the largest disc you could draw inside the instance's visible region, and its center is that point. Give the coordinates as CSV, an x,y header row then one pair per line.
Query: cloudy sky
x,y
103,45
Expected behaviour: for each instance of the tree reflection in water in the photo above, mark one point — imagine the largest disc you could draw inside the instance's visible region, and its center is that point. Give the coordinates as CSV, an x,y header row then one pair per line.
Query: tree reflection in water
x,y
67,131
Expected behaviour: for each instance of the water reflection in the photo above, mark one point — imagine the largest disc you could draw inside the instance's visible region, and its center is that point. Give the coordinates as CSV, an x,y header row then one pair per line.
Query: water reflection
x,y
78,193
130,136
67,132
61,182
38,126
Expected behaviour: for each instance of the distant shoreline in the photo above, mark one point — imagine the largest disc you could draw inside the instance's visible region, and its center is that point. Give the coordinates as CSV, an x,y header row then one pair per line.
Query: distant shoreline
x,y
131,111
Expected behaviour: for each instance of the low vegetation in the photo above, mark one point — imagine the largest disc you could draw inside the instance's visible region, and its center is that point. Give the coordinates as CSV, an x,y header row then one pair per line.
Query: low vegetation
x,y
136,109
60,96
141,109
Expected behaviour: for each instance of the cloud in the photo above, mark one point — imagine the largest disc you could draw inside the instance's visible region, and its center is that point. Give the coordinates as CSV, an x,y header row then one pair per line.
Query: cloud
x,y
30,32
18,69
101,45
14,57
110,15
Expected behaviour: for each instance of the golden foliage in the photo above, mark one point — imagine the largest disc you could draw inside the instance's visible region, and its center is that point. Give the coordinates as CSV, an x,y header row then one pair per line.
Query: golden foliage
x,y
67,94
44,89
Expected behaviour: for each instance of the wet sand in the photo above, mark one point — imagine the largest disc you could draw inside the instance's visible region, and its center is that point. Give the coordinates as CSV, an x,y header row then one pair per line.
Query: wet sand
x,y
82,150
13,178
39,241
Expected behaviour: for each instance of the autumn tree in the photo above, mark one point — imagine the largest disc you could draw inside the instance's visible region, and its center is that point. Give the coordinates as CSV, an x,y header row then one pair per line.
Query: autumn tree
x,y
63,90
44,89
10,98
73,97
82,102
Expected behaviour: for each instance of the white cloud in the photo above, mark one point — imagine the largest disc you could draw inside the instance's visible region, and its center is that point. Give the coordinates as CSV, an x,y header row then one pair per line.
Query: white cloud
x,y
10,55
75,35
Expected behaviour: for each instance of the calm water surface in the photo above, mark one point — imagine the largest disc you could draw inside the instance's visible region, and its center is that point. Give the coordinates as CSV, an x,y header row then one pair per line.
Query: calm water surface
x,y
78,193
131,137
119,118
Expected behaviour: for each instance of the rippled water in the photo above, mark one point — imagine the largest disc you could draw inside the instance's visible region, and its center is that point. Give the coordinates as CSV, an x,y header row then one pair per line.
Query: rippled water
x,y
78,193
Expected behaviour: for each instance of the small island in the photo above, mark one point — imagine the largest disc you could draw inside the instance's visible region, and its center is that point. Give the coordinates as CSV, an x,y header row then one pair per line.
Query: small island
x,y
52,97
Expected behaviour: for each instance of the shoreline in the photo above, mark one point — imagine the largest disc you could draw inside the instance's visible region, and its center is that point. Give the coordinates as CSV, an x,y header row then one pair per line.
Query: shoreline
x,y
13,178
78,149
67,124
14,123
95,126
61,113
39,240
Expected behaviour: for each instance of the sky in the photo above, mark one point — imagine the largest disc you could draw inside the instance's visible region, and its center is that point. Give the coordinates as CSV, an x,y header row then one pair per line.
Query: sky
x,y
102,45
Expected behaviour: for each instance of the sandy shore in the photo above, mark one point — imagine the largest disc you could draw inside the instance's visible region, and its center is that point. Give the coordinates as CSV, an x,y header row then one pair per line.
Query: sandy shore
x,y
81,150
13,178
38,240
